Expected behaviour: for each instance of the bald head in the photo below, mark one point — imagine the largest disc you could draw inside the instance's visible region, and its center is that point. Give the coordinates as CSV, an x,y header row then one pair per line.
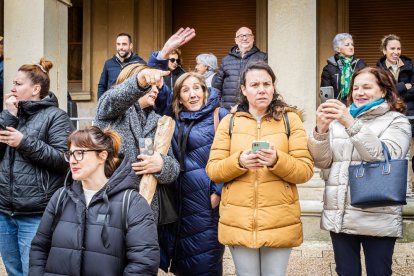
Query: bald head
x,y
244,39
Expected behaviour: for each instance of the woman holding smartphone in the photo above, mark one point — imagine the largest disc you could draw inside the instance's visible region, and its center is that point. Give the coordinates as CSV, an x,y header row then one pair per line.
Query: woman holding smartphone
x,y
259,208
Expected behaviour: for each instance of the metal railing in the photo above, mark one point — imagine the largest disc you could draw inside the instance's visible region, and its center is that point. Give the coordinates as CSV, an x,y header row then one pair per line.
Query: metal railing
x,y
77,120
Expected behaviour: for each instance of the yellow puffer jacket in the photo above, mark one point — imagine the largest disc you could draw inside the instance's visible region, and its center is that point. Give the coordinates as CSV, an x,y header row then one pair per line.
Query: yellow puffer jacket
x,y
260,208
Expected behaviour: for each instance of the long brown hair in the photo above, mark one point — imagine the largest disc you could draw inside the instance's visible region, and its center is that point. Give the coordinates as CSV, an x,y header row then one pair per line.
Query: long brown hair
x,y
277,105
93,137
38,73
176,106
386,82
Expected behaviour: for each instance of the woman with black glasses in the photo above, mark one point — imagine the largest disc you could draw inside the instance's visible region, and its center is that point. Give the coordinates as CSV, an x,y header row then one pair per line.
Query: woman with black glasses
x,y
175,68
97,224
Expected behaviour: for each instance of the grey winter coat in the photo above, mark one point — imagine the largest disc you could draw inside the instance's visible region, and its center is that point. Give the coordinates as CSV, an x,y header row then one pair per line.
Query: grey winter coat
x,y
119,109
334,151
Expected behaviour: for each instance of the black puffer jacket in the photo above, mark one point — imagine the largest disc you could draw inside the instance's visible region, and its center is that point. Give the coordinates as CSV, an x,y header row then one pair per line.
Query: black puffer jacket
x,y
406,76
331,74
32,172
227,80
170,79
77,246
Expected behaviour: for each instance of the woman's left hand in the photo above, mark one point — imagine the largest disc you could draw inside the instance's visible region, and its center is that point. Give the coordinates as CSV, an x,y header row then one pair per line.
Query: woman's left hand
x,y
148,164
267,157
215,200
336,110
11,137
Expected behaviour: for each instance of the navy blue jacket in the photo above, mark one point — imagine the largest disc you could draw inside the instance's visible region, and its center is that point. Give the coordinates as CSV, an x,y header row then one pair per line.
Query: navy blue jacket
x,y
227,80
197,251
90,240
111,70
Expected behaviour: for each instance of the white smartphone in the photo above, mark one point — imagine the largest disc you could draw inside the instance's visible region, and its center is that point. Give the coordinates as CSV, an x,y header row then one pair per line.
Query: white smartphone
x,y
326,93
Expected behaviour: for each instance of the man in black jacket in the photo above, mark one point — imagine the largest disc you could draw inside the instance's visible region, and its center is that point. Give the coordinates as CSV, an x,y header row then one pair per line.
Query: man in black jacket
x,y
114,65
227,80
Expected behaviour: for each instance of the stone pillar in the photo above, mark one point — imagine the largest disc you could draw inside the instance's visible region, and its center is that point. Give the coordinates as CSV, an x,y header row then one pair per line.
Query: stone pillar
x,y
292,53
35,29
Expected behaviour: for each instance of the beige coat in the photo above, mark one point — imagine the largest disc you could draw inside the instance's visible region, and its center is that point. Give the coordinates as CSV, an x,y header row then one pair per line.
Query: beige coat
x,y
260,207
336,150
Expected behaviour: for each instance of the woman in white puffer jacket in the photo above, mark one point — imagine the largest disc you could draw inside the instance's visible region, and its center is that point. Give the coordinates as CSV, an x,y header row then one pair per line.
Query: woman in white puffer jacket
x,y
349,135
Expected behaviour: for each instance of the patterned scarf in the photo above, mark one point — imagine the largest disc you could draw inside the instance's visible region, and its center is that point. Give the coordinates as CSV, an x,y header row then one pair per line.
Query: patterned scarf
x,y
346,74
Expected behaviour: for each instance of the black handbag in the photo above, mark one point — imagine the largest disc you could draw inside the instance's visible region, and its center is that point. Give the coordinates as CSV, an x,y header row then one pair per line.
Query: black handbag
x,y
380,183
167,204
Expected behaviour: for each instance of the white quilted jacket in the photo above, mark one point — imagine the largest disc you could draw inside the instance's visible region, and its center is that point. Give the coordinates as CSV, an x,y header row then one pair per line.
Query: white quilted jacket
x,y
334,151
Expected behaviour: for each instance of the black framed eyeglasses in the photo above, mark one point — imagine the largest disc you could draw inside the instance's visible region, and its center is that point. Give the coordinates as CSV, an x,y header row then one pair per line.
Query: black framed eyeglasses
x,y
77,154
242,36
174,60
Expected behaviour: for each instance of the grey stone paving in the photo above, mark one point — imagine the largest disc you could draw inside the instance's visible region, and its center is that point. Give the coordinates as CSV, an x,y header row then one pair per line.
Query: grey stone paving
x,y
316,258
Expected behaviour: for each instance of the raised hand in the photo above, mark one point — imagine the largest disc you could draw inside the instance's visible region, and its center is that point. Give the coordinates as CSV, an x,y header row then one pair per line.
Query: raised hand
x,y
181,37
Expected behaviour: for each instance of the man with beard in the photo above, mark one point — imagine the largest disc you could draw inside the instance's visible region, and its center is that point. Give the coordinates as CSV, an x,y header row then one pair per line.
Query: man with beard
x,y
114,65
227,80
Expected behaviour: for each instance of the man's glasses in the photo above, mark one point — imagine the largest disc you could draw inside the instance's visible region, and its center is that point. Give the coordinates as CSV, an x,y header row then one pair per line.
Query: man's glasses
x,y
174,60
242,36
77,154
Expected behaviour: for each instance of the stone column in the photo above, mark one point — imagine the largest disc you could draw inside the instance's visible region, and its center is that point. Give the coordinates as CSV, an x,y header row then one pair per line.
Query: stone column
x,y
35,29
292,53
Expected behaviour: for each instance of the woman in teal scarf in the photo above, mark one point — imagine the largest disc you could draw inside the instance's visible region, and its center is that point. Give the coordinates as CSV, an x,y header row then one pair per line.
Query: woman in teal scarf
x,y
345,136
340,68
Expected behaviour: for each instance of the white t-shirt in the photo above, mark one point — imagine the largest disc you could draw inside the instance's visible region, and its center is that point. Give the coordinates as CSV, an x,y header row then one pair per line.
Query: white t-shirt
x,y
88,195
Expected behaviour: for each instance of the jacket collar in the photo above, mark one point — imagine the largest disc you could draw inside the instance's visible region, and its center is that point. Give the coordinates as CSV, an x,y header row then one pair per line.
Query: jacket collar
x,y
32,107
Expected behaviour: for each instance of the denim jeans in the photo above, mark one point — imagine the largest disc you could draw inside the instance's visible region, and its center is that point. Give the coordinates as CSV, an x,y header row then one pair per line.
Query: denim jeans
x,y
16,234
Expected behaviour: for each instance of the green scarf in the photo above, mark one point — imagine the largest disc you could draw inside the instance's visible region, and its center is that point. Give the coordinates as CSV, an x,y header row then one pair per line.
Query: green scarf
x,y
346,74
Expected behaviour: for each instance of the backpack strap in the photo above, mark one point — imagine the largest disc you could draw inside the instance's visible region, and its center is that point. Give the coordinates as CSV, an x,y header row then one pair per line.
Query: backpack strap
x,y
126,199
231,125
58,209
216,118
287,125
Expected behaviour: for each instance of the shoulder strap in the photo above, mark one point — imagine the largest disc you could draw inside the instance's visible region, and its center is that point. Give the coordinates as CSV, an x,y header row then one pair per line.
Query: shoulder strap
x,y
58,208
287,125
125,208
231,125
216,118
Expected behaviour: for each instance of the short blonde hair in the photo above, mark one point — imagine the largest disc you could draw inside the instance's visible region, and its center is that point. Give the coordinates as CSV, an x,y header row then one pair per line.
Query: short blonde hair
x,y
129,70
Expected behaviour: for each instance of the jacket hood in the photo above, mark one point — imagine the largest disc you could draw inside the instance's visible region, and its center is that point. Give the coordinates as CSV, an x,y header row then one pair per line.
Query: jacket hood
x,y
245,108
334,60
122,179
234,51
32,107
212,103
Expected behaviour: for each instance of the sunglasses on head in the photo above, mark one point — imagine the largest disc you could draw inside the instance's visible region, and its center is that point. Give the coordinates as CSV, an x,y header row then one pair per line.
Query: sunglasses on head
x,y
174,60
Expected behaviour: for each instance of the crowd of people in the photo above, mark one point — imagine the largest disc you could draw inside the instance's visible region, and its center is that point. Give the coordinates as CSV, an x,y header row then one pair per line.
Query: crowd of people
x,y
70,201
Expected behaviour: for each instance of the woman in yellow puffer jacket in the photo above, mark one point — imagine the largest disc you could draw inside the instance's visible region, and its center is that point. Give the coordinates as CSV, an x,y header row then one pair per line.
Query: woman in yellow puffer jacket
x,y
259,209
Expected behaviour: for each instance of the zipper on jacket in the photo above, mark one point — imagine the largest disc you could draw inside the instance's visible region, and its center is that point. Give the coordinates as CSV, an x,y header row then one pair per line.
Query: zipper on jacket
x,y
12,156
255,192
